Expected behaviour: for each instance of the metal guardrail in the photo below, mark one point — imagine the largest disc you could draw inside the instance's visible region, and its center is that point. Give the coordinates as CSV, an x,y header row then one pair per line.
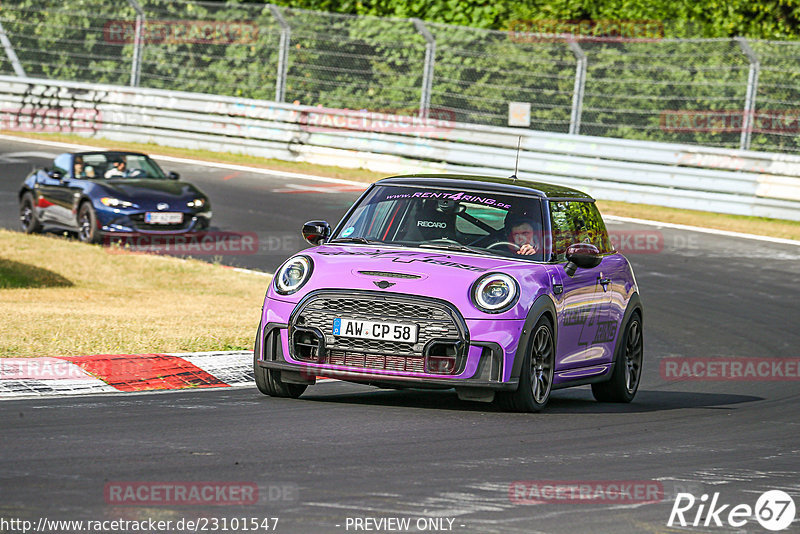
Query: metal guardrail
x,y
687,176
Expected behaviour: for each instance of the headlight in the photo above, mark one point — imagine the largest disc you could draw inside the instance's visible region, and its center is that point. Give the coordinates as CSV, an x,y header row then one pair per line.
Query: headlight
x,y
116,203
293,274
196,203
495,292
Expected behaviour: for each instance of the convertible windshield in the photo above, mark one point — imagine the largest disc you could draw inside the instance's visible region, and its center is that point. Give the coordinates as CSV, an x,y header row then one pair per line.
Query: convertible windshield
x,y
449,219
116,165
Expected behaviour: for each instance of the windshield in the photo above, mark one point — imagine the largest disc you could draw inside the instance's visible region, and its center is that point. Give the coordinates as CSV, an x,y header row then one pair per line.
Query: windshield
x,y
449,219
110,165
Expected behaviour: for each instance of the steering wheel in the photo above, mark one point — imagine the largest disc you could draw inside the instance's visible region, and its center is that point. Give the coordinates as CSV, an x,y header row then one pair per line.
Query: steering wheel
x,y
501,243
135,173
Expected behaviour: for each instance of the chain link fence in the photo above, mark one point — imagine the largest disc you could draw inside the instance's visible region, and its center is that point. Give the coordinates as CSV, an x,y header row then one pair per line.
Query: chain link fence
x,y
732,93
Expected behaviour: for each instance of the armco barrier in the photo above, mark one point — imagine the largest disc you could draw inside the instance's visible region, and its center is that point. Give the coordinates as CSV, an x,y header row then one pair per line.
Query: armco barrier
x,y
686,176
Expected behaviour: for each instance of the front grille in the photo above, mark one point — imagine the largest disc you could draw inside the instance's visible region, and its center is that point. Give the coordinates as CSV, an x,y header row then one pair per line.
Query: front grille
x,y
437,321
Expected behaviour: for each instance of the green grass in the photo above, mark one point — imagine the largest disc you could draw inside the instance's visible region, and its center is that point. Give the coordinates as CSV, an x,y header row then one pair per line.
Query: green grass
x,y
14,274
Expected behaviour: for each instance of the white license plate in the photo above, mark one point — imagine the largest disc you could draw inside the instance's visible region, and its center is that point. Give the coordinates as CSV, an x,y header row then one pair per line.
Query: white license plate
x,y
163,217
402,332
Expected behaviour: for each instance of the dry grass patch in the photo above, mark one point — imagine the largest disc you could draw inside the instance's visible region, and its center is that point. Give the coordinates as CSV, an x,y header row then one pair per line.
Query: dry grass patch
x,y
81,299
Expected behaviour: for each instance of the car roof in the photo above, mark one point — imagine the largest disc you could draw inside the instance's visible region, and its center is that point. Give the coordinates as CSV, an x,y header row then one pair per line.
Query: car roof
x,y
489,183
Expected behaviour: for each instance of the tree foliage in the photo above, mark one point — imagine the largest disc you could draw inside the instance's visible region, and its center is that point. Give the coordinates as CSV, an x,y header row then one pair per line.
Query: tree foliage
x,y
757,19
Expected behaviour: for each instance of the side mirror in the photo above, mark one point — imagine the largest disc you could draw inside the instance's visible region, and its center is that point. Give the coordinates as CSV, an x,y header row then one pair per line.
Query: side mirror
x,y
172,175
55,174
316,232
583,255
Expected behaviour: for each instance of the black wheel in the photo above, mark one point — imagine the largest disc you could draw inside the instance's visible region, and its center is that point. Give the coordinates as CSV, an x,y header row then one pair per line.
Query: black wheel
x,y
268,381
536,376
87,224
628,368
27,215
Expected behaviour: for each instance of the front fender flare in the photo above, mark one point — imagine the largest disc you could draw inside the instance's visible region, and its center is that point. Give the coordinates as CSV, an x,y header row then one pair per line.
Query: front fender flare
x,y
542,305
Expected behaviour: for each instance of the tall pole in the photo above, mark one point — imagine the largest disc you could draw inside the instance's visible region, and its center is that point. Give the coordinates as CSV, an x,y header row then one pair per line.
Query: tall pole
x,y
136,63
11,54
427,68
750,95
283,54
578,88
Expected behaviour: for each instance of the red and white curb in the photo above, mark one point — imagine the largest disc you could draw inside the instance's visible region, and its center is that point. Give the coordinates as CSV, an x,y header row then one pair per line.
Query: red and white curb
x,y
115,373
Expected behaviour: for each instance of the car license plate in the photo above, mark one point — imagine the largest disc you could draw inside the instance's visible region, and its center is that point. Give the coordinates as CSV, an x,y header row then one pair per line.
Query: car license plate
x,y
402,332
163,217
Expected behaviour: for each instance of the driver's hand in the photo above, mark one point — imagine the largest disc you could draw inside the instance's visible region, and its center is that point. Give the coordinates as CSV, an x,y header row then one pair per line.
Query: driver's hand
x,y
527,249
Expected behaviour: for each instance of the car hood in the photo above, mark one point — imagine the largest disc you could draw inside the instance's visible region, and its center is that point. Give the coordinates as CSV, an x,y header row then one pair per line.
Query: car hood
x,y
432,273
151,189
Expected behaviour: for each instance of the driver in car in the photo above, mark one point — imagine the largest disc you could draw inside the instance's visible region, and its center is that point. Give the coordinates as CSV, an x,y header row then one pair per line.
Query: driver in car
x,y
117,170
521,231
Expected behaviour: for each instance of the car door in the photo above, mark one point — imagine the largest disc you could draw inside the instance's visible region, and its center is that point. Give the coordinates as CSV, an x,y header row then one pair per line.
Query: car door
x,y
49,190
56,195
582,300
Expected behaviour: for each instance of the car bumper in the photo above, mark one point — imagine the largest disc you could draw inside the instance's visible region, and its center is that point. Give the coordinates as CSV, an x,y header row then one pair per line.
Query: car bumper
x,y
132,223
488,357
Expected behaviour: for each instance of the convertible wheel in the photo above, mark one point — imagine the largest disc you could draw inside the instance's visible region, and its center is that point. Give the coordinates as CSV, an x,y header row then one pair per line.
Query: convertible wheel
x,y
27,216
268,381
628,369
536,377
87,224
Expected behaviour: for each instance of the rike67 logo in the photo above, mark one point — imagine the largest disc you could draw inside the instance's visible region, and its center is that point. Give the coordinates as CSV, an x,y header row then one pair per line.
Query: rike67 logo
x,y
774,510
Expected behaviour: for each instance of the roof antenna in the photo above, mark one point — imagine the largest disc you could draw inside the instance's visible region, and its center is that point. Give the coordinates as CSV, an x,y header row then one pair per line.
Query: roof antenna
x,y
516,164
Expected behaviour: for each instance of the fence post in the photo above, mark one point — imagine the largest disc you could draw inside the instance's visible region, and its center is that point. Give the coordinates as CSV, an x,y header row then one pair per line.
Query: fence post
x,y
578,88
136,63
750,95
427,69
12,56
283,53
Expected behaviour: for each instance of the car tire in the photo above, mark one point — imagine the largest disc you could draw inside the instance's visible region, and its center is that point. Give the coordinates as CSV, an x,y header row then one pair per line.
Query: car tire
x,y
536,376
268,381
28,221
87,224
627,372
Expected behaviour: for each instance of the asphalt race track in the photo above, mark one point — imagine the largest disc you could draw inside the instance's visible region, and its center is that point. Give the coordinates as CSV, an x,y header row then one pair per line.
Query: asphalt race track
x,y
348,451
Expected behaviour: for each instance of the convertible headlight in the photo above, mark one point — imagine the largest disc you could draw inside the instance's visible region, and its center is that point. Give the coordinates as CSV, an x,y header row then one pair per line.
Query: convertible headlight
x,y
293,275
196,203
495,292
116,203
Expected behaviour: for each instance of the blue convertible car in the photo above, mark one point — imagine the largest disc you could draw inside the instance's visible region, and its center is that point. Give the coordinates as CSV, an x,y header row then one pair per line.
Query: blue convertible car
x,y
99,194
